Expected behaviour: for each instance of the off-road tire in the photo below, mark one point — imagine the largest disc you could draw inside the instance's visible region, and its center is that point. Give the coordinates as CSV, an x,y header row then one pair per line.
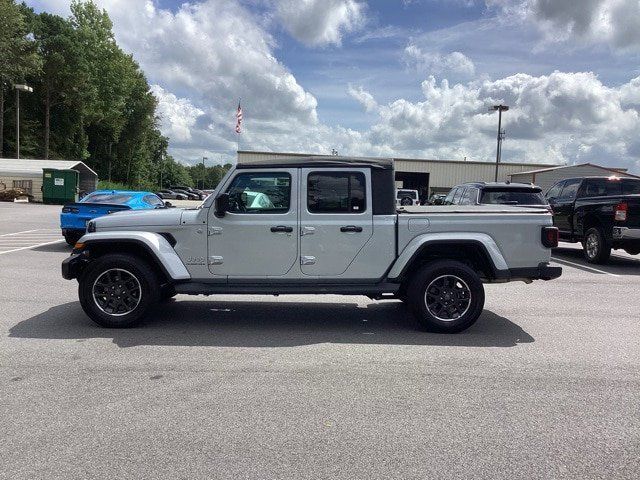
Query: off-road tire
x,y
596,247
147,285
466,294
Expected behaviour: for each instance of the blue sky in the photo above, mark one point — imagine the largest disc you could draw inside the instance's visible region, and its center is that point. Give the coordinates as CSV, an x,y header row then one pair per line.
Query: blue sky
x,y
391,78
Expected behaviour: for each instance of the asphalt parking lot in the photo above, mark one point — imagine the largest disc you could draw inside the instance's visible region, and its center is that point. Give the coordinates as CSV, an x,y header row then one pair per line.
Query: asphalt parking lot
x,y
545,385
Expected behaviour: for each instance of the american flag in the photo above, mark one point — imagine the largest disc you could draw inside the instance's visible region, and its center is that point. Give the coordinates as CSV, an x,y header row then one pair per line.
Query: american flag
x,y
239,118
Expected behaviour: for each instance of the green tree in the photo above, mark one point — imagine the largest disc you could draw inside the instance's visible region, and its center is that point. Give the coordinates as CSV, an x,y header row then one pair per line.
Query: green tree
x,y
17,53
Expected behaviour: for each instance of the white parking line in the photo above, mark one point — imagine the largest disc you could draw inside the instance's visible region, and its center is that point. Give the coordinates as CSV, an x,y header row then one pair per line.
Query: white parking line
x,y
562,260
31,246
37,231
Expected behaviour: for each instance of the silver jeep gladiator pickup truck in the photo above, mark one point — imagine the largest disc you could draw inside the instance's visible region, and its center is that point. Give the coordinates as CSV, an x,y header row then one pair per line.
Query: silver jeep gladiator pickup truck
x,y
310,226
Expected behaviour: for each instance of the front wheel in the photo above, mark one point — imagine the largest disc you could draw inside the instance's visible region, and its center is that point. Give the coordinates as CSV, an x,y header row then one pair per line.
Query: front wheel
x,y
117,290
596,247
72,238
446,296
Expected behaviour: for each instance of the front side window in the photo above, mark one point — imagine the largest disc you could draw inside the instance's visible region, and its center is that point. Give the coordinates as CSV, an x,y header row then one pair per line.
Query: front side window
x,y
570,189
469,197
448,200
260,193
458,196
153,200
554,192
336,192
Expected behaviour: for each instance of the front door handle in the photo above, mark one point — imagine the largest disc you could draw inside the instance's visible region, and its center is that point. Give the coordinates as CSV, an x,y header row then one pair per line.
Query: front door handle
x,y
281,229
350,228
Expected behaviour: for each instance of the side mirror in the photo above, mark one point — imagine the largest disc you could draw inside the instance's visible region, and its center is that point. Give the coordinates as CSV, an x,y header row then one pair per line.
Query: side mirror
x,y
222,204
168,205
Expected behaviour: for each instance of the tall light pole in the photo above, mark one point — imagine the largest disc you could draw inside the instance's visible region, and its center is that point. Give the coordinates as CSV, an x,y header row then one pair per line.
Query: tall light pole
x,y
500,108
19,88
204,171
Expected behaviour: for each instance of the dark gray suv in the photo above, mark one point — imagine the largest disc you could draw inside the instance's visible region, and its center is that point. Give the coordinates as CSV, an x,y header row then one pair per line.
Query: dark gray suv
x,y
496,193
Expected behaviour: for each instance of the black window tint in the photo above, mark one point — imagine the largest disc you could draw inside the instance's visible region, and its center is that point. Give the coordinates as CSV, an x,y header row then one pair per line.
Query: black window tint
x,y
570,189
260,193
630,187
336,192
512,197
601,187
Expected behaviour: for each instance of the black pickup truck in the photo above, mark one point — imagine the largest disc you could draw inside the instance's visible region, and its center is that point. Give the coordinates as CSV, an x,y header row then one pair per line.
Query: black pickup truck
x,y
601,212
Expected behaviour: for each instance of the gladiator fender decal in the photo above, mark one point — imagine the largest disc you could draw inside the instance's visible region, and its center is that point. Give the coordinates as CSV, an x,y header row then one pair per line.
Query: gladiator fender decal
x,y
155,244
423,241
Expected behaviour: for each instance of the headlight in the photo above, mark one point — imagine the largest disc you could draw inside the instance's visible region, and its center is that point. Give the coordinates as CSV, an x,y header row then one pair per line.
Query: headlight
x,y
91,227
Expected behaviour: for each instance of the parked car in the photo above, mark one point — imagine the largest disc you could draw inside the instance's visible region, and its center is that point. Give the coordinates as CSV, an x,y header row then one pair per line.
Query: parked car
x,y
406,197
189,195
171,195
75,216
200,194
437,199
602,213
327,228
497,193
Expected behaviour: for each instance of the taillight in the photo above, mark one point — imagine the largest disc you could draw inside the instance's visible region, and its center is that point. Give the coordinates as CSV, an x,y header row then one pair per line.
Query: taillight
x,y
69,210
550,237
621,212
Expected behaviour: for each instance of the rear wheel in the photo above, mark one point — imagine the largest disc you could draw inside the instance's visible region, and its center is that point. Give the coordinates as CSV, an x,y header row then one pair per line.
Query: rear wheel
x,y
446,296
597,249
118,290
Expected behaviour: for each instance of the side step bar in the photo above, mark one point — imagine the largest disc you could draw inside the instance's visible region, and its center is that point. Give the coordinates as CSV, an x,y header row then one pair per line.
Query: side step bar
x,y
378,290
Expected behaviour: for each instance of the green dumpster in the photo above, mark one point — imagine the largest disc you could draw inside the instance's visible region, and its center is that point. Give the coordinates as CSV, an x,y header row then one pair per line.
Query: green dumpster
x,y
59,186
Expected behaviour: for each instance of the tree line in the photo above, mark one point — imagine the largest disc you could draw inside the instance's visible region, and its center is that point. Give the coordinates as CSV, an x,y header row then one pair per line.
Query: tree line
x,y
90,100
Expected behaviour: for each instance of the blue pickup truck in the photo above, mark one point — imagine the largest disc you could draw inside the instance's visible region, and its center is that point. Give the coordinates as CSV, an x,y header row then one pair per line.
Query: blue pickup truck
x,y
75,216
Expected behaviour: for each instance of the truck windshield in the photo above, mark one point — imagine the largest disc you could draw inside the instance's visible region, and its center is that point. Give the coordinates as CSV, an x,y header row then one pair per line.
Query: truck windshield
x,y
512,197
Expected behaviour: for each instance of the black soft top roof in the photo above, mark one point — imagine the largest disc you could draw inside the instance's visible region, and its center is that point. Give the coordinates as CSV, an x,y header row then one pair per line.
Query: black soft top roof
x,y
311,162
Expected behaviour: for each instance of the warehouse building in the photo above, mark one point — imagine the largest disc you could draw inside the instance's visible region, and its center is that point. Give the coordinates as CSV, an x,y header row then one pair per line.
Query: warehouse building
x,y
548,177
426,176
28,174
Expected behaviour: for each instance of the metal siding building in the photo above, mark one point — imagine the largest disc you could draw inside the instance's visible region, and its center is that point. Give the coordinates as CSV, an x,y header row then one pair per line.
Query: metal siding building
x,y
26,172
548,177
436,176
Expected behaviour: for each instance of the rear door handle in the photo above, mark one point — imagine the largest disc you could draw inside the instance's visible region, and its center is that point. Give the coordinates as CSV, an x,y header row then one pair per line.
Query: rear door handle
x,y
350,228
281,229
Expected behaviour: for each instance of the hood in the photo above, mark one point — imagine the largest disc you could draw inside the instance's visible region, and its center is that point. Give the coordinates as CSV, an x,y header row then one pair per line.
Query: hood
x,y
140,218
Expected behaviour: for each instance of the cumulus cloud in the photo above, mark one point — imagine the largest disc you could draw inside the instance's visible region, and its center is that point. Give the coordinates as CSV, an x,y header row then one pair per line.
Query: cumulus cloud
x,y
614,22
363,97
434,63
177,115
320,22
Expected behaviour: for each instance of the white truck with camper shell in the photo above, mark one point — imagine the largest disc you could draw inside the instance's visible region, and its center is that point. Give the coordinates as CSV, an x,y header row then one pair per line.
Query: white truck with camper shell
x,y
310,226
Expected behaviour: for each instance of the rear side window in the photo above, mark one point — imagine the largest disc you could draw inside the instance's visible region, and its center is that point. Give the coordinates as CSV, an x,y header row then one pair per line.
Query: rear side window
x,y
630,187
512,197
336,192
601,187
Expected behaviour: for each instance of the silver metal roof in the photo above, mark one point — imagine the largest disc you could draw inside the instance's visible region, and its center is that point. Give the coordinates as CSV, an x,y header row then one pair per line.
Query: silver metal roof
x,y
31,167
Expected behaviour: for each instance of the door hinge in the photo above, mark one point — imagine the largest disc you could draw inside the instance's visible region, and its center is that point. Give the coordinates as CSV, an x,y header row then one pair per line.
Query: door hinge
x,y
307,260
216,260
215,230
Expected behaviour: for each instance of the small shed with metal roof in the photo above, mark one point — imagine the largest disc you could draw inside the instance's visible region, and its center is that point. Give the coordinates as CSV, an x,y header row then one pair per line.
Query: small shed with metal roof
x,y
28,174
546,178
